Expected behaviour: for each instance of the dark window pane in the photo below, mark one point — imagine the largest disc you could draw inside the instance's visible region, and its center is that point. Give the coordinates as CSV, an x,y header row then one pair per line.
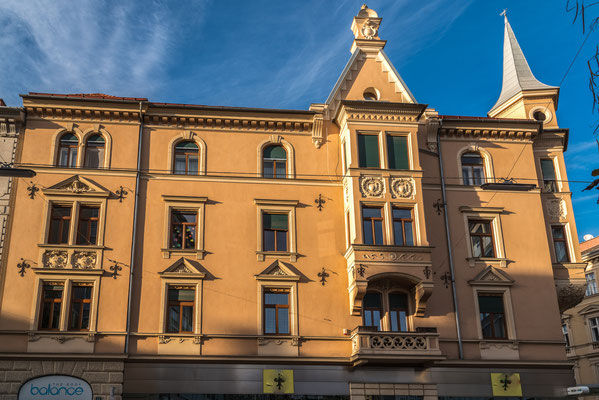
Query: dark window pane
x,y
269,169
281,240
490,304
276,298
409,234
275,152
486,322
499,325
190,236
398,233
283,320
466,176
270,322
187,319
275,221
398,300
367,318
488,247
372,300
548,169
177,237
477,250
368,239
181,295
561,254
378,232
69,139
402,213
180,164
281,169
85,316
56,316
46,311
397,146
173,319
192,167
74,316
186,146
368,151
371,212
269,240
558,232
94,157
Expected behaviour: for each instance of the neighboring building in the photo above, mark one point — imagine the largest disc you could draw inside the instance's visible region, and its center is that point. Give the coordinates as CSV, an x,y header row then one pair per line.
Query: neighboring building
x,y
581,323
178,249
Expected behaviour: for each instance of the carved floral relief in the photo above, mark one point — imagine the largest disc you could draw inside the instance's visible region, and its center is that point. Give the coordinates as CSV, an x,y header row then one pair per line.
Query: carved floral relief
x,y
84,259
402,188
55,259
372,186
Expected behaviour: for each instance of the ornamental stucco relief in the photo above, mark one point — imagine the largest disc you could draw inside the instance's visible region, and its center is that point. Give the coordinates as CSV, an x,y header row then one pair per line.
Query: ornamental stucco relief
x,y
55,259
84,259
370,29
372,186
556,209
402,188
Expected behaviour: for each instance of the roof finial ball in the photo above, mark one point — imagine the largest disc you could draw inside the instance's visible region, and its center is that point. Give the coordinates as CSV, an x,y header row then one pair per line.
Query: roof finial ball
x,y
366,25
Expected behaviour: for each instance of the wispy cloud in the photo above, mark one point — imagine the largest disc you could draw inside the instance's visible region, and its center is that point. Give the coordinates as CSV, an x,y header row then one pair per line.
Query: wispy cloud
x,y
85,46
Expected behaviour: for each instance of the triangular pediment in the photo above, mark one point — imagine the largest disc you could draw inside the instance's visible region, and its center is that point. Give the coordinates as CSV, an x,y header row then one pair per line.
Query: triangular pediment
x,y
77,185
369,70
492,276
591,308
279,270
183,268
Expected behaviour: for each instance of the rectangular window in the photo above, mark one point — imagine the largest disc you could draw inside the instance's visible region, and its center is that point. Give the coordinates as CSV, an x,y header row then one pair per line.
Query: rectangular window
x,y
81,298
481,238
275,231
60,222
549,179
559,244
594,324
183,229
368,151
373,225
397,149
402,227
398,312
276,312
51,305
181,300
566,335
591,284
372,310
87,228
492,315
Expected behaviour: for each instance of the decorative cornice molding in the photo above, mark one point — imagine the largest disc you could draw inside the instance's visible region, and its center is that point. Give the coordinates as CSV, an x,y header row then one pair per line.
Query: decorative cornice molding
x,y
82,114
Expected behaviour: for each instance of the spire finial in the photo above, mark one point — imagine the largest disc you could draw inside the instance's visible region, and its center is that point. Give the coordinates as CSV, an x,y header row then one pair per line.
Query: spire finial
x,y
504,13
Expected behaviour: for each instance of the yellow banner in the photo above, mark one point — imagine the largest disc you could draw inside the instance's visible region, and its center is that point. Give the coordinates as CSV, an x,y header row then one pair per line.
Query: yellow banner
x,y
277,381
506,384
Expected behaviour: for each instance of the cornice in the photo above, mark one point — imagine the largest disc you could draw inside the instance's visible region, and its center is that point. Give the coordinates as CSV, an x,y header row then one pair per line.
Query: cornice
x,y
490,129
552,138
82,113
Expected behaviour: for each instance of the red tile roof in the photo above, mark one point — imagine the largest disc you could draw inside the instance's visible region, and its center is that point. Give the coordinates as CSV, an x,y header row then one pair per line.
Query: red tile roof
x,y
89,96
2,103
589,244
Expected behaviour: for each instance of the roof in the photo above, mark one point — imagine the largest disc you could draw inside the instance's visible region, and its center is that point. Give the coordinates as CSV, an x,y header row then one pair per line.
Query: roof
x,y
589,244
490,119
88,96
2,103
517,76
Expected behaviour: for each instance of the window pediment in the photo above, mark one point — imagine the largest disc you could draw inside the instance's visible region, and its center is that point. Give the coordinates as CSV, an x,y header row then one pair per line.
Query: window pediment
x,y
185,268
280,271
492,276
76,185
591,308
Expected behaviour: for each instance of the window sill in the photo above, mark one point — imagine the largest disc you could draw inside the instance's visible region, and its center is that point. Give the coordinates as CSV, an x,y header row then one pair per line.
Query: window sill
x,y
72,246
167,253
279,339
570,265
501,262
180,338
262,255
500,343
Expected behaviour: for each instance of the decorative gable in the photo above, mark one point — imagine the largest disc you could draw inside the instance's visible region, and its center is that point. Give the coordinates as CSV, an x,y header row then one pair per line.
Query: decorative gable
x,y
493,277
591,308
184,268
279,270
77,185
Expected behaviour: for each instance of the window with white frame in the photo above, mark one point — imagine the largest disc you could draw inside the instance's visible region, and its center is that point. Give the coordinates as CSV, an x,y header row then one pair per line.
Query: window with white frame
x,y
276,224
65,228
591,284
566,334
594,326
485,238
184,220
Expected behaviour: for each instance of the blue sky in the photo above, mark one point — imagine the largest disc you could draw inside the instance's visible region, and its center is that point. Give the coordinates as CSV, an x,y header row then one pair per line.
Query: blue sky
x,y
288,54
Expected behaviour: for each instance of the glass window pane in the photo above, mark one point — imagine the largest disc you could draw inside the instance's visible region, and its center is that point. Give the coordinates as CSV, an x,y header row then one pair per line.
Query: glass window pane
x,y
403,321
276,298
92,157
187,319
270,322
179,164
486,325
177,237
409,234
499,325
281,240
367,320
488,247
269,169
558,232
376,316
561,253
378,232
368,151
397,146
368,239
56,315
192,167
275,152
398,300
478,175
548,170
46,311
372,300
73,157
173,319
281,169
74,316
472,159
283,320
402,213
85,316
371,212
490,304
394,322
186,146
466,176
275,221
398,233
190,236
269,240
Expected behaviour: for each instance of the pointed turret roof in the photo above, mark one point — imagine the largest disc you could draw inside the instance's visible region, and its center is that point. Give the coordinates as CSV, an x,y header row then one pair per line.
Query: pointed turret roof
x,y
517,76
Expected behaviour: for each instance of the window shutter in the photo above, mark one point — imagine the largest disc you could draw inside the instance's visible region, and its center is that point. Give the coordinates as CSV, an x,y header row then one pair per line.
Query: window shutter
x,y
368,148
397,146
275,221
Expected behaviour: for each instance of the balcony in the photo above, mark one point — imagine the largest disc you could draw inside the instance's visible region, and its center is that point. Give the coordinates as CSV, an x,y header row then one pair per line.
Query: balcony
x,y
394,347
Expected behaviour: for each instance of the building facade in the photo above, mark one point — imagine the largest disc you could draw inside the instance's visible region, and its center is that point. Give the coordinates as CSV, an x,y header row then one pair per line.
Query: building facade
x,y
365,247
581,323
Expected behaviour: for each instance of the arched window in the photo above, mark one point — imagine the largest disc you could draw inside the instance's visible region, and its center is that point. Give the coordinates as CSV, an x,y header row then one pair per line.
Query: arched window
x,y
386,308
473,171
67,150
274,162
94,151
372,310
186,158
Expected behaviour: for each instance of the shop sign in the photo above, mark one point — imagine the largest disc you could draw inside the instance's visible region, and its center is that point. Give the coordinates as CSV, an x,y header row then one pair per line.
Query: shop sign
x,y
506,384
277,381
55,387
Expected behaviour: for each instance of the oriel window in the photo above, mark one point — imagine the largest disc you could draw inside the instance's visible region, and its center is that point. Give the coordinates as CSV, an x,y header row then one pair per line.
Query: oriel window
x,y
372,310
398,312
560,244
51,305
548,171
481,238
276,312
397,149
181,300
87,228
81,295
276,231
67,150
60,222
492,315
473,172
372,221
368,151
186,158
94,152
183,229
274,162
403,227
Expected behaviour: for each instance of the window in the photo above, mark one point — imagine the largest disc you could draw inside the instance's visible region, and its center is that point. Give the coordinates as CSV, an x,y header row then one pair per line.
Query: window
x,y
373,225
274,162
276,311
473,173
60,222
566,335
402,227
183,229
492,315
549,179
67,150
51,305
559,244
87,228
594,324
397,151
186,158
180,306
398,312
275,231
344,156
81,294
94,152
368,151
591,284
372,310
481,238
